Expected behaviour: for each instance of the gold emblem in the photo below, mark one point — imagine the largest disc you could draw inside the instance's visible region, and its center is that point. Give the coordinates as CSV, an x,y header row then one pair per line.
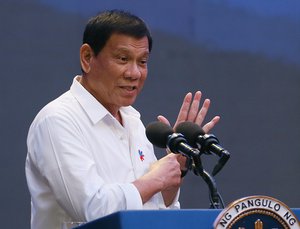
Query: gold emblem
x,y
257,212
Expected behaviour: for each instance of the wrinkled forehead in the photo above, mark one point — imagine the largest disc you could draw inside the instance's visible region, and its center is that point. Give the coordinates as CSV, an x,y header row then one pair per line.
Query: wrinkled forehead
x,y
119,41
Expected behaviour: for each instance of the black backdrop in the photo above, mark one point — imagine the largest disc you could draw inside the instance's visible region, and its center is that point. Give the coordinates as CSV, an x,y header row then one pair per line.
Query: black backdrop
x,y
254,87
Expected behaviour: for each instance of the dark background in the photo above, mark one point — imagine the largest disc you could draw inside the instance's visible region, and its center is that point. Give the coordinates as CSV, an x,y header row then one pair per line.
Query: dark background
x,y
244,56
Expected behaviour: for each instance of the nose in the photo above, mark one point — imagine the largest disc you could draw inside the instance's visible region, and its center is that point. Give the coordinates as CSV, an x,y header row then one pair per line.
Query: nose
x,y
133,71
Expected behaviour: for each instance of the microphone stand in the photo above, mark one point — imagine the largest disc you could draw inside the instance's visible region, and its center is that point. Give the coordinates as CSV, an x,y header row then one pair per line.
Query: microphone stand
x,y
216,201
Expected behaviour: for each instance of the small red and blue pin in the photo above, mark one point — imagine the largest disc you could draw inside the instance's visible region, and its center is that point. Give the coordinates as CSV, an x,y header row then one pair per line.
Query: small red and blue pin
x,y
141,155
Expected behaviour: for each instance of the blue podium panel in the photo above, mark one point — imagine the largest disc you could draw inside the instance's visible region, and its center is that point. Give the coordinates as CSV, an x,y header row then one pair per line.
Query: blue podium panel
x,y
159,219
149,219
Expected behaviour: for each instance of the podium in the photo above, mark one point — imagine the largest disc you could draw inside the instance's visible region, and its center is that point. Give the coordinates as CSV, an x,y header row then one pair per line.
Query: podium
x,y
160,219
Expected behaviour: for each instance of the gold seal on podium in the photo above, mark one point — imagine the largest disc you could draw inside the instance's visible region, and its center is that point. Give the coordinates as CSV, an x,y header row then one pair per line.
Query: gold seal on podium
x,y
259,212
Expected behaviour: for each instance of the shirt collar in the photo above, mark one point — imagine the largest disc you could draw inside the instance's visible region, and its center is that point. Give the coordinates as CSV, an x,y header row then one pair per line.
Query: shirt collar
x,y
95,110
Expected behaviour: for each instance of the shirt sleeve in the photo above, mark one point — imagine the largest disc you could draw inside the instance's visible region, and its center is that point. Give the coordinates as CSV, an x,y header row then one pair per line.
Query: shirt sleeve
x,y
132,196
62,157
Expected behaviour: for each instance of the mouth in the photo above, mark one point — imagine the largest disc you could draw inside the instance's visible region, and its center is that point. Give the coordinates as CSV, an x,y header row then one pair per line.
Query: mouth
x,y
129,88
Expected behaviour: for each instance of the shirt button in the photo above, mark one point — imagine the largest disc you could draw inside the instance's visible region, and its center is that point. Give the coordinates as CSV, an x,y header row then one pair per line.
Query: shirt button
x,y
122,137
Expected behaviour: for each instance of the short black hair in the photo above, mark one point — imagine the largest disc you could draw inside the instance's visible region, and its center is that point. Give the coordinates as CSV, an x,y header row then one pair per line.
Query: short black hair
x,y
100,28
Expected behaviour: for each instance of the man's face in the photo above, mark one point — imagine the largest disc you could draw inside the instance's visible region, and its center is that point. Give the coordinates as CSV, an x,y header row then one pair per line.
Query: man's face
x,y
117,74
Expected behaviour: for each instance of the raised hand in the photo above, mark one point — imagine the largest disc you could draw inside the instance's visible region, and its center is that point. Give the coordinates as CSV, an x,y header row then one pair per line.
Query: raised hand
x,y
189,111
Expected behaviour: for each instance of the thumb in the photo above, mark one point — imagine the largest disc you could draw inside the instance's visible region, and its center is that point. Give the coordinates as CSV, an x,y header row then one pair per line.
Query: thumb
x,y
163,119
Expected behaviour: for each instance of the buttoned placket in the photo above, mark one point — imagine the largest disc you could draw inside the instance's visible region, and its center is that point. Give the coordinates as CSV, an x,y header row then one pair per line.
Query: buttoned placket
x,y
124,138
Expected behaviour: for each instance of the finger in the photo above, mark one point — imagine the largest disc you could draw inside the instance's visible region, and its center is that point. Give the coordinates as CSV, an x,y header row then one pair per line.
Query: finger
x,y
184,110
208,126
193,112
168,151
163,119
203,111
182,161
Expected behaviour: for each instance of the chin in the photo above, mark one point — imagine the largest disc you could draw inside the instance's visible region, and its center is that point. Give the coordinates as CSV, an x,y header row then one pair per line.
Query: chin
x,y
128,102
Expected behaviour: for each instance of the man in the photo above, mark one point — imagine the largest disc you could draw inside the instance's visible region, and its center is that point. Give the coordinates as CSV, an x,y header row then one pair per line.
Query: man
x,y
88,155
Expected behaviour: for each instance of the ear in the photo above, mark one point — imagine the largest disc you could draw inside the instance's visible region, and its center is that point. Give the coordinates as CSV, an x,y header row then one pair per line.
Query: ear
x,y
86,54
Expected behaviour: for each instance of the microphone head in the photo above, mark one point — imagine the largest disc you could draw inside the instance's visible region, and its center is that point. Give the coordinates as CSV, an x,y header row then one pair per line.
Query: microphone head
x,y
158,133
191,131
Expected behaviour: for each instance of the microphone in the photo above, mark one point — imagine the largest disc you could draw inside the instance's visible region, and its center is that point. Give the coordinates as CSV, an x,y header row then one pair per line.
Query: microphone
x,y
207,143
163,136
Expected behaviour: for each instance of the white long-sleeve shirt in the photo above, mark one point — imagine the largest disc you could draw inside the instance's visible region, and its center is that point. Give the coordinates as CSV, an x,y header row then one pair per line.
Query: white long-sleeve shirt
x,y
81,161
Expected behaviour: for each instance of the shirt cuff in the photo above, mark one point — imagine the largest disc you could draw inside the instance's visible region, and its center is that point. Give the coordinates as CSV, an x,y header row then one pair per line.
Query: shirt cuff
x,y
132,197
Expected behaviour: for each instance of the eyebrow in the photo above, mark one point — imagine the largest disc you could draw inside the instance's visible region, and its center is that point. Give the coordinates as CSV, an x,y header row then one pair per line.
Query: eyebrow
x,y
126,50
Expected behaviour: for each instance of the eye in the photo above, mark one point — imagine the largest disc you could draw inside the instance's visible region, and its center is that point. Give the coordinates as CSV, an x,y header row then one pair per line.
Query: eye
x,y
144,61
123,58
